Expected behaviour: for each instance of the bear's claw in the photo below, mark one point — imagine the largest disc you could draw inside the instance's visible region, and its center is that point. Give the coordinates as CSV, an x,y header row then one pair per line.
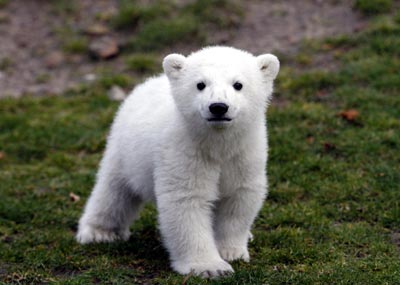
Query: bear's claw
x,y
90,234
207,269
234,253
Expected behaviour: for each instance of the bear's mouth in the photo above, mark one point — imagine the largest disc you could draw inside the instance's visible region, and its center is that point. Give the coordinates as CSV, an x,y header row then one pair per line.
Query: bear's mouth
x,y
222,119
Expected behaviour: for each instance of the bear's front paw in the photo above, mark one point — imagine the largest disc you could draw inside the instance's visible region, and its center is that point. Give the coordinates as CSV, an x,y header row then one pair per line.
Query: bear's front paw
x,y
206,269
231,253
89,234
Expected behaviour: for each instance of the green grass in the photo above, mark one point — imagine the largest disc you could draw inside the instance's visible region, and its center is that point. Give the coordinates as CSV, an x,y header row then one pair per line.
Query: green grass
x,y
3,3
333,207
5,63
152,26
371,7
108,79
143,63
76,44
165,23
164,32
72,41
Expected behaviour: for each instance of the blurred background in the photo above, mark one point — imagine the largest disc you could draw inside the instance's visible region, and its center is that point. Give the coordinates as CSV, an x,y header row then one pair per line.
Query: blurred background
x,y
48,47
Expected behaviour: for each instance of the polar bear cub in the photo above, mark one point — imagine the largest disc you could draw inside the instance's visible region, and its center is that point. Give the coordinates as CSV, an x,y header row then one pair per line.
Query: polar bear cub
x,y
194,141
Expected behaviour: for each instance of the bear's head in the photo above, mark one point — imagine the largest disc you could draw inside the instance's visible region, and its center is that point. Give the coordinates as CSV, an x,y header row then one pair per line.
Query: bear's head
x,y
221,87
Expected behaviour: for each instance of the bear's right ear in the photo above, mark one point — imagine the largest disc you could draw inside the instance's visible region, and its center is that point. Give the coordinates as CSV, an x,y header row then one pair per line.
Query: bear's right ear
x,y
173,65
269,65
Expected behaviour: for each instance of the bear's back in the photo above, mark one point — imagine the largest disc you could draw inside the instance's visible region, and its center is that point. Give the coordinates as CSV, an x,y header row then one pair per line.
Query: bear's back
x,y
147,107
138,130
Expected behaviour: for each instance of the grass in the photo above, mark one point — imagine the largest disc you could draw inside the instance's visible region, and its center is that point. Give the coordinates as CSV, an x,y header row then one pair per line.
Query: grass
x,y
76,45
165,23
332,215
108,79
143,63
152,26
71,41
65,7
5,63
372,7
3,3
165,32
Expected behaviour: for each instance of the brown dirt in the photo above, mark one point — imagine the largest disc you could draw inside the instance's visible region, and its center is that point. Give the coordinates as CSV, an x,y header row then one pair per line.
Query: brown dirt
x,y
283,25
32,60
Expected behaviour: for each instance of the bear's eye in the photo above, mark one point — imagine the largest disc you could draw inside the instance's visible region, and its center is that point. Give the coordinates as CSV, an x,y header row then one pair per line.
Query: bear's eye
x,y
238,86
201,85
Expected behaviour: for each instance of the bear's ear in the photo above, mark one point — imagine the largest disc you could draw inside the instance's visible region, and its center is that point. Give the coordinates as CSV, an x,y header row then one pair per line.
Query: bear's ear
x,y
173,65
269,65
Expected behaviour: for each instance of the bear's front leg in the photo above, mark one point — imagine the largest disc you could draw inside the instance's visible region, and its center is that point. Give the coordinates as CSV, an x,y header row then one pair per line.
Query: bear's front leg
x,y
184,200
243,193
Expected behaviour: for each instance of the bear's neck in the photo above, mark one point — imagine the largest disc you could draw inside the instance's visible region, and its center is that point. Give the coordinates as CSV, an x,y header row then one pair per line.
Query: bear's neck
x,y
223,144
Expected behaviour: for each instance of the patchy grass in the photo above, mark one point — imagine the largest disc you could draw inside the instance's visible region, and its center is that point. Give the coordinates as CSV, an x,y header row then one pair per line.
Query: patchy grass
x,y
130,13
5,63
333,207
42,78
372,7
3,3
65,7
108,79
165,23
71,40
76,44
143,63
164,32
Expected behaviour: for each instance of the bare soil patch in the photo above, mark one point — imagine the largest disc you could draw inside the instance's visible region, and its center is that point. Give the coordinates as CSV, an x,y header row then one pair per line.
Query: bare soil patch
x,y
283,25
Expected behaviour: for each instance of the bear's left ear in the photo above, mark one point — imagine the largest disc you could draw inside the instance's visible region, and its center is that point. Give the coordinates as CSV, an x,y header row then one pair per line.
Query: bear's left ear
x,y
269,65
173,65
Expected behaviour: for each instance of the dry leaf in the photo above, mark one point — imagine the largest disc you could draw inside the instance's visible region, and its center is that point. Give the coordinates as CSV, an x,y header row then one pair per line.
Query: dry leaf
x,y
310,139
1,155
327,46
74,197
329,146
321,94
349,115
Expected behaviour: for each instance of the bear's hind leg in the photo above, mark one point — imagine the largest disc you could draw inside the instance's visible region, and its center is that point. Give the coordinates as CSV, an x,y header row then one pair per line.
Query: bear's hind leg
x,y
111,209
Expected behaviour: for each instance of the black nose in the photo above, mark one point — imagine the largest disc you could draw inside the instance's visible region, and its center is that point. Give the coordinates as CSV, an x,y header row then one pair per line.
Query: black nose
x,y
218,109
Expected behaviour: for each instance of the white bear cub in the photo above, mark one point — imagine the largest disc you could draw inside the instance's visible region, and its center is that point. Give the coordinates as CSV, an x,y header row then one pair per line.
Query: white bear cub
x,y
194,141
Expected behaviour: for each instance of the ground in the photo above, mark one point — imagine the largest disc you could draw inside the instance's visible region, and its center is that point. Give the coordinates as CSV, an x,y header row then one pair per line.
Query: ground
x,y
333,213
46,52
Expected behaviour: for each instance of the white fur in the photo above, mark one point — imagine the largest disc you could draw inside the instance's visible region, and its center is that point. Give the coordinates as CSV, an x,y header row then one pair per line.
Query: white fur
x,y
208,179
